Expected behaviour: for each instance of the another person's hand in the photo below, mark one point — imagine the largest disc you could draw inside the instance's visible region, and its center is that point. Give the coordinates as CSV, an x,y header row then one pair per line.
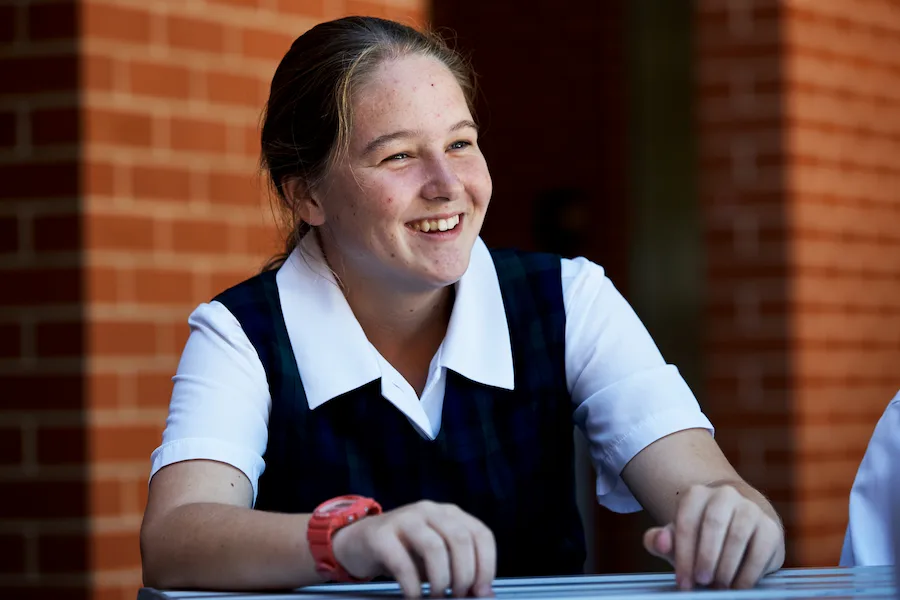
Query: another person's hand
x,y
719,538
425,541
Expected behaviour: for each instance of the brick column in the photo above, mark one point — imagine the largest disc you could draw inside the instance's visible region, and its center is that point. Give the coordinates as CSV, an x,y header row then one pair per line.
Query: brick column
x,y
800,178
128,149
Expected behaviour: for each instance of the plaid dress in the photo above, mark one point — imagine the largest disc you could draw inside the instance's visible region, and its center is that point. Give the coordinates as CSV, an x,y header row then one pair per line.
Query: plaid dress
x,y
504,456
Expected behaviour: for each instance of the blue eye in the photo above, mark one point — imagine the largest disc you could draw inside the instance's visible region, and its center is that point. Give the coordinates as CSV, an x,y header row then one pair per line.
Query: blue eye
x,y
458,145
398,156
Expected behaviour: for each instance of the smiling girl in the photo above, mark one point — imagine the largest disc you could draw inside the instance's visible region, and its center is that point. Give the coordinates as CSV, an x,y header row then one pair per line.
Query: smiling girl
x,y
392,398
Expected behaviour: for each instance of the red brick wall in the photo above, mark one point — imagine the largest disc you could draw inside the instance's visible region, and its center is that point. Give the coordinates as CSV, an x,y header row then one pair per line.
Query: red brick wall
x,y
128,149
800,175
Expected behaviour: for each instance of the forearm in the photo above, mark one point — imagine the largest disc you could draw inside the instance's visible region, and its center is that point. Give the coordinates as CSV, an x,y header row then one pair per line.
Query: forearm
x,y
217,546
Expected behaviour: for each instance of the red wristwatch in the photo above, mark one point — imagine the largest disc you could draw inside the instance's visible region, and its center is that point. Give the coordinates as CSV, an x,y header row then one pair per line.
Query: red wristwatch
x,y
328,517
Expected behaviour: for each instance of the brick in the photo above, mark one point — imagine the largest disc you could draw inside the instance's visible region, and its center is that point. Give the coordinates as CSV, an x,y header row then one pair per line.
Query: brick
x,y
115,551
226,88
310,8
7,129
143,491
10,340
195,34
30,499
263,241
154,389
156,286
108,21
240,3
199,136
102,285
261,43
118,128
10,449
222,280
63,553
42,392
12,551
9,234
41,287
161,183
97,73
38,74
7,23
174,338
201,237
106,498
54,340
124,443
250,141
236,189
53,21
38,180
103,390
62,445
55,126
57,233
119,232
407,16
159,80
98,179
121,338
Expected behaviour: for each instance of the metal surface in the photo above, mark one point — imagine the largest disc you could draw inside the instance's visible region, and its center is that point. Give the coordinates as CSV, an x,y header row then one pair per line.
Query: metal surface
x,y
863,582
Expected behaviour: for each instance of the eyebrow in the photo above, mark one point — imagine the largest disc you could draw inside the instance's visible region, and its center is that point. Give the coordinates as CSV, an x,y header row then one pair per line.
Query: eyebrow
x,y
384,140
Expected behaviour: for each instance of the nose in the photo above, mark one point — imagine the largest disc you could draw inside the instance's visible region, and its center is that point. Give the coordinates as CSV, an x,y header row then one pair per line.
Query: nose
x,y
442,182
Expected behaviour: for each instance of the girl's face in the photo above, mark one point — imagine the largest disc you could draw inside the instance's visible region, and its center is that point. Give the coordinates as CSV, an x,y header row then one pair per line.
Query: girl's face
x,y
408,201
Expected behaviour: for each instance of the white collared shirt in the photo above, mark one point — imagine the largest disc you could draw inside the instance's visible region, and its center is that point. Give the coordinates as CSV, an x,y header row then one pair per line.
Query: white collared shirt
x,y
625,396
873,497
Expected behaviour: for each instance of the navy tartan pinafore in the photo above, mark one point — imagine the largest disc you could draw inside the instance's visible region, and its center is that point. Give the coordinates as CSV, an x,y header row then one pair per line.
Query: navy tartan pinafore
x,y
504,456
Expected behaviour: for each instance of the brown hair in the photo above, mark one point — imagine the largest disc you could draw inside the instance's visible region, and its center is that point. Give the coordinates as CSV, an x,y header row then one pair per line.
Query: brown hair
x,y
308,117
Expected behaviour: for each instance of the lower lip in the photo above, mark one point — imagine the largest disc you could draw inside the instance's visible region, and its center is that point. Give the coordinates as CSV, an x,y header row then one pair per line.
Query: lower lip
x,y
441,236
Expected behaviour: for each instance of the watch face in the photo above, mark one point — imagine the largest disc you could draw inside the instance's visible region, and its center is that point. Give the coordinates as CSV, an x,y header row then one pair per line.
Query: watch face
x,y
336,505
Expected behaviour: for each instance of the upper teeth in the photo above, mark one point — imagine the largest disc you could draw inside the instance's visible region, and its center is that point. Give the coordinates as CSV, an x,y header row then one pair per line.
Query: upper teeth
x,y
436,224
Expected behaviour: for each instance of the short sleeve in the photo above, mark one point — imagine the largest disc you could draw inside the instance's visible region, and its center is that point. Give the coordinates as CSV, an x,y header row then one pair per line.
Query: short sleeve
x,y
626,397
220,402
873,497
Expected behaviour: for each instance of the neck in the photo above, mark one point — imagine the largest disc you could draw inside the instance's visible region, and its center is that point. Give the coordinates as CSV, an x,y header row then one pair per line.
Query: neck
x,y
402,324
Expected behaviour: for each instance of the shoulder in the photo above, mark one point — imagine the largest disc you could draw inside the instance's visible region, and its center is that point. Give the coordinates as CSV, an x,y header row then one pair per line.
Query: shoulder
x,y
251,291
511,259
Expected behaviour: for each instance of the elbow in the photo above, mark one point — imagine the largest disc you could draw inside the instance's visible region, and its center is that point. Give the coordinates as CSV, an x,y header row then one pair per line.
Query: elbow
x,y
158,571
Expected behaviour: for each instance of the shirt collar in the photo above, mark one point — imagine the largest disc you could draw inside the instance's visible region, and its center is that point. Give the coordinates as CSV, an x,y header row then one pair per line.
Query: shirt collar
x,y
333,354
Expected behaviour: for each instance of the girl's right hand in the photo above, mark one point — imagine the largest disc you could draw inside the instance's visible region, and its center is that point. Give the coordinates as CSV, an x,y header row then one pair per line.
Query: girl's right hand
x,y
424,541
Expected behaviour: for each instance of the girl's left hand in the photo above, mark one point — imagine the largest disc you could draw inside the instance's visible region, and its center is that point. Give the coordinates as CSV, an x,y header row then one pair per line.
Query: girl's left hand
x,y
720,538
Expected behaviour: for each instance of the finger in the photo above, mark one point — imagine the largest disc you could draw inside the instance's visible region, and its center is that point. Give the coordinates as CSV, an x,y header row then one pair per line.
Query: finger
x,y
461,546
713,528
428,545
393,555
659,541
485,556
687,526
738,537
759,555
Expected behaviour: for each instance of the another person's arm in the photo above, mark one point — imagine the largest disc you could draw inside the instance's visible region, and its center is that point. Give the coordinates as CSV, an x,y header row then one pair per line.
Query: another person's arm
x,y
873,503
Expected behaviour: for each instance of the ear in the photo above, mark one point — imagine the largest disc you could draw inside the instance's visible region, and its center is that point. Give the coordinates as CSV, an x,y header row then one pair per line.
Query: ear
x,y
299,195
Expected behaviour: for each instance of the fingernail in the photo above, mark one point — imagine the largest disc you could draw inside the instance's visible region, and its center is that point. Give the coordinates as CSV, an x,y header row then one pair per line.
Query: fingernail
x,y
704,578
